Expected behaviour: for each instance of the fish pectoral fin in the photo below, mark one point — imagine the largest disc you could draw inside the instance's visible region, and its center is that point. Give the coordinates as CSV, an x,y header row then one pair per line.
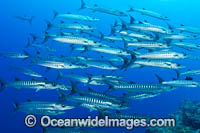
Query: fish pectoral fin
x,y
17,89
37,90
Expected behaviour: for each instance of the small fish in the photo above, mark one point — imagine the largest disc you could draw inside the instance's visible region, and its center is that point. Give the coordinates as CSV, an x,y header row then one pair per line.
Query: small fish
x,y
189,72
187,45
145,27
141,96
92,100
143,88
153,14
76,40
58,64
15,55
179,37
156,63
25,18
74,16
41,108
34,84
151,45
26,71
97,64
187,29
96,8
163,54
40,46
73,26
179,83
136,35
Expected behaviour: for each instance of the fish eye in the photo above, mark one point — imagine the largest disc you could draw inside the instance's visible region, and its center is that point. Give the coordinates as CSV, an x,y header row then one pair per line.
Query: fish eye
x,y
63,105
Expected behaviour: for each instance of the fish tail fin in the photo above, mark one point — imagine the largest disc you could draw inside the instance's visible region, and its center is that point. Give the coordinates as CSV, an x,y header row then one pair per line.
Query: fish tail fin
x,y
16,106
59,76
132,19
34,37
131,9
31,20
55,14
160,80
178,74
26,53
49,24
110,87
74,88
3,84
46,37
28,43
62,96
112,30
82,5
124,25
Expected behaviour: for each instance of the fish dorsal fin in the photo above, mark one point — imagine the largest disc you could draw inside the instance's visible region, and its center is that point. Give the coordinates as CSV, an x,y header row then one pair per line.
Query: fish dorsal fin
x,y
182,25
180,40
160,80
29,100
38,53
33,79
140,22
62,22
124,94
68,12
117,111
62,34
17,79
174,79
188,78
45,79
146,21
89,89
95,5
132,82
76,22
143,9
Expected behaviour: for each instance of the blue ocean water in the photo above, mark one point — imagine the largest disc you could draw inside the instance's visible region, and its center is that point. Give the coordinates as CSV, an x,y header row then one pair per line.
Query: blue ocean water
x,y
14,34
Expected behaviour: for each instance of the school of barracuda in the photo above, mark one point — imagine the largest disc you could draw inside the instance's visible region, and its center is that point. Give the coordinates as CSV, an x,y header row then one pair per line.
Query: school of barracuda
x,y
144,44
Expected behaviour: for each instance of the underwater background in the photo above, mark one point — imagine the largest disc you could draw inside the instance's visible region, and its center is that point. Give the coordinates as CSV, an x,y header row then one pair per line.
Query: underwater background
x,y
14,34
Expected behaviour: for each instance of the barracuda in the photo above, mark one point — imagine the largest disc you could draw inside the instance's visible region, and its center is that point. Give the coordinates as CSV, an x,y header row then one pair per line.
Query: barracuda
x,y
183,28
96,64
74,26
163,54
137,35
146,88
58,64
98,102
77,40
35,84
74,16
179,37
189,73
182,83
187,45
179,83
107,50
26,71
148,44
15,55
145,27
156,63
141,96
143,11
102,9
41,108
